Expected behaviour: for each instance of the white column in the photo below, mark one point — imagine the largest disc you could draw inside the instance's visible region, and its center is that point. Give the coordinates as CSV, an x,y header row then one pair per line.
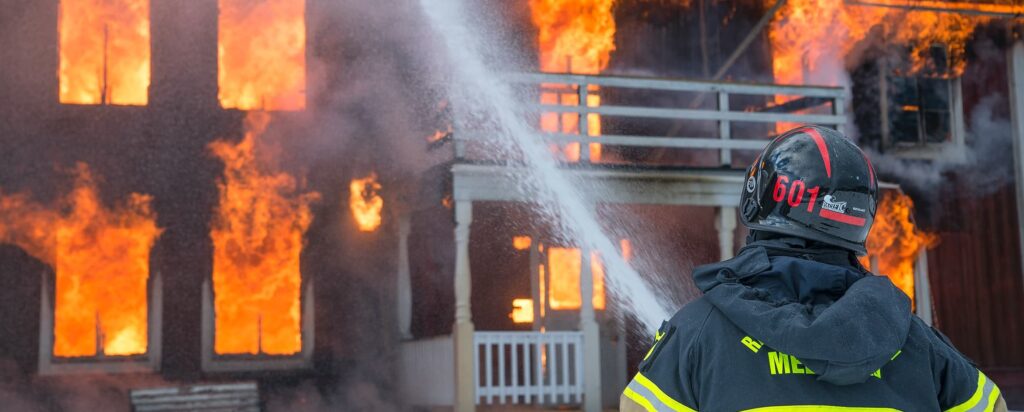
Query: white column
x,y
462,332
591,337
404,287
922,289
1016,75
725,223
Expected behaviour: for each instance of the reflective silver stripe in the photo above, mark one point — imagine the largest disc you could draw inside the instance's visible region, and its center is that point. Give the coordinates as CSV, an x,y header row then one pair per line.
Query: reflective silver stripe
x,y
983,403
650,396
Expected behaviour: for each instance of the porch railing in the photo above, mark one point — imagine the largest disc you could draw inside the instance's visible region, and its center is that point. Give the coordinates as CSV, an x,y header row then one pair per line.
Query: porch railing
x,y
528,367
732,106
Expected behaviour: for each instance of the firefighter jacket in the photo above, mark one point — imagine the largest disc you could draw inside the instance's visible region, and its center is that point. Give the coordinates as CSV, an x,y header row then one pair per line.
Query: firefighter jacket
x,y
784,326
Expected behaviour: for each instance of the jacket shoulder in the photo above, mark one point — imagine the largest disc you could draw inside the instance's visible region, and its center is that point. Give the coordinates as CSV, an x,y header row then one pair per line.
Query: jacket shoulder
x,y
690,322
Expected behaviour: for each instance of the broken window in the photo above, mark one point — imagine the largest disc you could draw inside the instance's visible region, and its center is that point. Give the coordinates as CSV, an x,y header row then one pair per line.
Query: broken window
x,y
261,55
911,110
99,301
563,283
257,305
921,111
104,52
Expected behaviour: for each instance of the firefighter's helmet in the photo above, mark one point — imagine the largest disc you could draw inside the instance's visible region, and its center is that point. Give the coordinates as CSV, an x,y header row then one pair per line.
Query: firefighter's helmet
x,y
812,182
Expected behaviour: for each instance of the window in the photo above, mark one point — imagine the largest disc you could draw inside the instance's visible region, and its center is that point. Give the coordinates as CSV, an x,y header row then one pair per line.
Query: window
x,y
90,336
919,111
261,55
100,305
104,52
257,307
563,282
922,111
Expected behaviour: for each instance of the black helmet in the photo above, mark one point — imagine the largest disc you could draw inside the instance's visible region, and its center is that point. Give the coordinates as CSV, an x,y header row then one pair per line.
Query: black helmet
x,y
812,182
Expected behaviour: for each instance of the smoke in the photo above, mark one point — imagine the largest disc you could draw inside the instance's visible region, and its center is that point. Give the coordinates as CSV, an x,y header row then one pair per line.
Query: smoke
x,y
985,160
372,96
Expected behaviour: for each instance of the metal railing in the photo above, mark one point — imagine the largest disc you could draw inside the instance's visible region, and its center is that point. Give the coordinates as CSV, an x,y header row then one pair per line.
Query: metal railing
x,y
798,105
528,367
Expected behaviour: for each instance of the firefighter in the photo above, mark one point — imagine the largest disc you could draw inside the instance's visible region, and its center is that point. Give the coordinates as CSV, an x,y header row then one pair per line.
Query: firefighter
x,y
794,321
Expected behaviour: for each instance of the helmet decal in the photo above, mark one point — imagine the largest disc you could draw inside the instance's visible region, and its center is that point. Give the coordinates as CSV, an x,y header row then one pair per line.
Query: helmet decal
x,y
843,218
822,147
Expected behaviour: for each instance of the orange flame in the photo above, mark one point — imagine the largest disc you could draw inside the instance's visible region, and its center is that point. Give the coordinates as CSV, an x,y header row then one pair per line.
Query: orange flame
x,y
575,36
564,288
894,241
365,202
522,311
811,38
257,240
440,134
262,54
626,247
104,52
521,242
101,262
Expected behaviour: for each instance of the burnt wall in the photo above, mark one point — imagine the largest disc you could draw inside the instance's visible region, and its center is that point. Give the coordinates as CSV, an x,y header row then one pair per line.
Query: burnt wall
x,y
161,149
670,38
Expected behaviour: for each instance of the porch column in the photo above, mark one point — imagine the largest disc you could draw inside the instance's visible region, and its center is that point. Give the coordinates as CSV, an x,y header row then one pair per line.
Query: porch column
x,y
591,337
922,289
462,332
725,222
404,287
1016,75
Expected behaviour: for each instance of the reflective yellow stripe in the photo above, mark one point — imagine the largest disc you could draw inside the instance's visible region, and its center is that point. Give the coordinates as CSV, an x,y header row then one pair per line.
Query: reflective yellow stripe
x,y
970,403
819,408
657,338
665,399
640,400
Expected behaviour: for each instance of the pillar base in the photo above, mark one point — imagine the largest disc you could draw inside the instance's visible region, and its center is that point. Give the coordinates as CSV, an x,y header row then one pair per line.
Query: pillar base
x,y
465,387
592,398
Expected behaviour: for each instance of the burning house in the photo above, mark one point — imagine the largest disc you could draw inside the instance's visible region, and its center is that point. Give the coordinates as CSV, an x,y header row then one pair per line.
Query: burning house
x,y
277,203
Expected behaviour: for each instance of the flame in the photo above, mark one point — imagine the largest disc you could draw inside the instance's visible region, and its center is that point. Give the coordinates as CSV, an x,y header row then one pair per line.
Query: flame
x,y
261,54
894,241
101,261
574,36
626,246
104,52
811,38
522,311
365,202
257,241
564,288
521,242
440,134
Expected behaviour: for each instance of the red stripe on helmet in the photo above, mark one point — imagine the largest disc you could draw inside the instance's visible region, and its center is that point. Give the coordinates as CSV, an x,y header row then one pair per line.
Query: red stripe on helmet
x,y
822,147
871,169
841,218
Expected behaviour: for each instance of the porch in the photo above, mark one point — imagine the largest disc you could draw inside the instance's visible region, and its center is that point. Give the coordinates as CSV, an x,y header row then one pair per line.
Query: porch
x,y
715,129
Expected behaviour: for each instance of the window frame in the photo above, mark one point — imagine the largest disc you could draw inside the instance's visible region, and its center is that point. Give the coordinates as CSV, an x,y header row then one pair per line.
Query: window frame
x,y
923,149
143,363
213,362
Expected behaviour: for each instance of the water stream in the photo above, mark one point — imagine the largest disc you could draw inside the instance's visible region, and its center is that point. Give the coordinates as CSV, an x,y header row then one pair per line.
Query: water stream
x,y
478,88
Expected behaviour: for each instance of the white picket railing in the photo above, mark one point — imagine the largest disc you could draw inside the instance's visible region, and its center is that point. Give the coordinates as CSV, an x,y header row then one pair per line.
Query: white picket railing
x,y
528,367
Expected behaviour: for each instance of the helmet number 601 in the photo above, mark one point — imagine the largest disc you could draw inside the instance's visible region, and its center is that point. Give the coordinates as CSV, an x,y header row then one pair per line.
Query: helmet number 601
x,y
796,192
